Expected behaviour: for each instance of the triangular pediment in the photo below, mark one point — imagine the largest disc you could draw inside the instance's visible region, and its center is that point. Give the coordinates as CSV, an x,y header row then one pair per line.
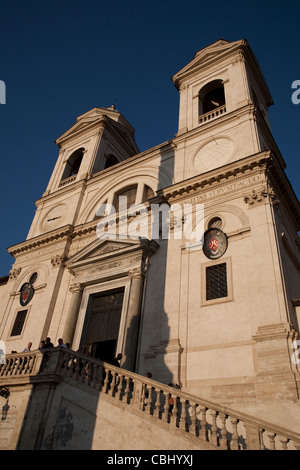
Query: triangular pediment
x,y
208,53
102,250
83,123
94,119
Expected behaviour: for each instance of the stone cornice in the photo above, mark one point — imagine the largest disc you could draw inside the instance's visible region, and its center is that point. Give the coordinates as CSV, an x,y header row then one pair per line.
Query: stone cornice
x,y
282,187
219,176
265,164
41,240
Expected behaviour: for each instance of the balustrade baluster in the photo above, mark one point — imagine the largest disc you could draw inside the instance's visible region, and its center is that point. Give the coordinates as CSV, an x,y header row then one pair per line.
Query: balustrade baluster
x,y
112,389
223,432
182,422
85,372
175,412
71,367
14,366
234,445
284,442
82,374
194,427
89,376
78,369
146,398
3,368
261,439
214,428
19,366
120,386
96,376
10,366
18,363
157,403
165,404
62,363
203,424
271,437
127,390
27,365
100,378
106,380
149,405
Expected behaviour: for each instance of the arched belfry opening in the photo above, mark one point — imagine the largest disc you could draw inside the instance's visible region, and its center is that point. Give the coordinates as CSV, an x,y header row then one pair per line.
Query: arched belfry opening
x,y
73,163
211,96
110,160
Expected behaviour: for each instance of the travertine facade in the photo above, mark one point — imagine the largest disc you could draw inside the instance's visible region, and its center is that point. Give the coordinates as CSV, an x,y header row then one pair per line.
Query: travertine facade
x,y
222,327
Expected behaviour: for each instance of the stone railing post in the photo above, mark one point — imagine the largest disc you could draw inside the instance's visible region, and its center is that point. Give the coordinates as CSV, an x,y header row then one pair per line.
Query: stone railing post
x,y
51,361
253,437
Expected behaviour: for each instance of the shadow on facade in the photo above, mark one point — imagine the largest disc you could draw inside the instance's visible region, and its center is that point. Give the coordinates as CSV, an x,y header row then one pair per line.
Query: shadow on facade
x,y
155,330
62,415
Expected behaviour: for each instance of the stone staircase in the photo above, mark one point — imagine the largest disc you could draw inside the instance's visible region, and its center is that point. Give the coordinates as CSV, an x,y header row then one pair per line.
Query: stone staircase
x,y
58,393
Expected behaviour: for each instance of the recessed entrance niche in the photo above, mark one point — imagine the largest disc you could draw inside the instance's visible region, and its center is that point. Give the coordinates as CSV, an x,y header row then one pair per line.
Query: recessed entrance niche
x,y
102,323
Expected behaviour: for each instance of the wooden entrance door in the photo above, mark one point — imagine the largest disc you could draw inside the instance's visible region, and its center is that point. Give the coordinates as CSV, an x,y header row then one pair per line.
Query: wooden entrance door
x,y
103,325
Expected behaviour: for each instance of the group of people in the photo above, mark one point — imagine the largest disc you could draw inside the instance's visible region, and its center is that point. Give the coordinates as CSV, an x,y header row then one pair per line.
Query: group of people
x,y
47,344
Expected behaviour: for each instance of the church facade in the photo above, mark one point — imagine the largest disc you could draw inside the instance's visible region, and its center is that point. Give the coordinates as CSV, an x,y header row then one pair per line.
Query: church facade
x,y
183,258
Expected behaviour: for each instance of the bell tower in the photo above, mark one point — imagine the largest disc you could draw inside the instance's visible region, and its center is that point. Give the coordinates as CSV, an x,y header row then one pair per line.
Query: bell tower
x,y
99,139
223,111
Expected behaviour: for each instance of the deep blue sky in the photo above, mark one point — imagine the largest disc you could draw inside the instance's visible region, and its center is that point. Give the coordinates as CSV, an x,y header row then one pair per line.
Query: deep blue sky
x,y
61,58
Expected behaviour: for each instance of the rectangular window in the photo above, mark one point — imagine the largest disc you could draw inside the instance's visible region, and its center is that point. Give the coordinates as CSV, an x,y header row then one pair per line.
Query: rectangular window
x,y
19,323
216,281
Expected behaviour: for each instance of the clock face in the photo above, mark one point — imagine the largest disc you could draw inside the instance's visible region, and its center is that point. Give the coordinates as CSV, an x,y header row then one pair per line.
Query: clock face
x,y
214,154
54,218
215,243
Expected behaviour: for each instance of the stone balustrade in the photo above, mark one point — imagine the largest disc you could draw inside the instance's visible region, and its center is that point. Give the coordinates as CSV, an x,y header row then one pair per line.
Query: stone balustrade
x,y
221,427
212,114
20,365
68,180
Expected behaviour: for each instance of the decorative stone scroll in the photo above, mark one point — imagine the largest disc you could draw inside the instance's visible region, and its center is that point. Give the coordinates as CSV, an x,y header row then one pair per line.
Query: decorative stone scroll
x,y
261,196
14,273
57,260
